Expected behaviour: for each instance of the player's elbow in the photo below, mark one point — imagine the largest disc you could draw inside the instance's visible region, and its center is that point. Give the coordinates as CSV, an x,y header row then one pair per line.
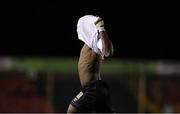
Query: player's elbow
x,y
109,52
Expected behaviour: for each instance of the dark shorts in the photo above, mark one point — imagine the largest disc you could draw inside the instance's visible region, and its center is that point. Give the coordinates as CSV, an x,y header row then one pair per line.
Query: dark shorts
x,y
94,97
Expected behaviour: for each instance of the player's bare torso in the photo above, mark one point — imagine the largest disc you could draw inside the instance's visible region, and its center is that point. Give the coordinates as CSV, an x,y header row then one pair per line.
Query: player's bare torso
x,y
89,65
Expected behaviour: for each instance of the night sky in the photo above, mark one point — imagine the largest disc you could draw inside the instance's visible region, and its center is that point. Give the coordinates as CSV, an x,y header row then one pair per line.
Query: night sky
x,y
48,28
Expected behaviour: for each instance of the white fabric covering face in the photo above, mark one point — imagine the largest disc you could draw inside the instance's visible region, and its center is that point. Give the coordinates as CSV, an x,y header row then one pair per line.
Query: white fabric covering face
x,y
88,33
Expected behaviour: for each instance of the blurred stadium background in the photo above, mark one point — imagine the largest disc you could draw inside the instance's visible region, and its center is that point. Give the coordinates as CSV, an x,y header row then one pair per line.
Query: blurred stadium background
x,y
48,84
39,55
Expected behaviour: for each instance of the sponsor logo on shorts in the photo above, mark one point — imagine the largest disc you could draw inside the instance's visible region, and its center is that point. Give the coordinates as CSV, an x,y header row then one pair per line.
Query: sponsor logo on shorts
x,y
79,95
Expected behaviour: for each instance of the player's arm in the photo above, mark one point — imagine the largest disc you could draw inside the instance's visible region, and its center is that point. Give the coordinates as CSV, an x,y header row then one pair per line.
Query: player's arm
x,y
107,46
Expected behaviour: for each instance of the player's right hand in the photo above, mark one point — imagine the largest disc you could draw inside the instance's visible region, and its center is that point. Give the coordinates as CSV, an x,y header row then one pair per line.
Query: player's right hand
x,y
100,24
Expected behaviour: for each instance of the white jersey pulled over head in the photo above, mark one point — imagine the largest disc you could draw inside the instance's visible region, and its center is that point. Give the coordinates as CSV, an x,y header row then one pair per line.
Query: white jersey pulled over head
x,y
88,33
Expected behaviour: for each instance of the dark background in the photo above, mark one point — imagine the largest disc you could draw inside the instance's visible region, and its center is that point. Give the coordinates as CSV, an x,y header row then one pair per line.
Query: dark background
x,y
138,30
